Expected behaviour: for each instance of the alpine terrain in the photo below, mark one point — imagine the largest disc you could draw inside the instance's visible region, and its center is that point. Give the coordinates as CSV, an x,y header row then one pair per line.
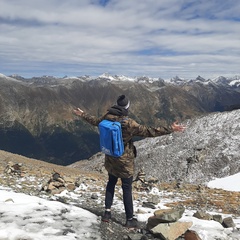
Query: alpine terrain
x,y
36,117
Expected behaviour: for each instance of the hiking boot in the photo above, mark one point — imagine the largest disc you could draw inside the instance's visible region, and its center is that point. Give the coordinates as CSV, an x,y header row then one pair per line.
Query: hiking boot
x,y
107,216
132,223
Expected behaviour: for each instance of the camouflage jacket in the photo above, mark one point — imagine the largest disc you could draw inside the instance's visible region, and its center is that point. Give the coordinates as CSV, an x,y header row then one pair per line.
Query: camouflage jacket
x,y
123,167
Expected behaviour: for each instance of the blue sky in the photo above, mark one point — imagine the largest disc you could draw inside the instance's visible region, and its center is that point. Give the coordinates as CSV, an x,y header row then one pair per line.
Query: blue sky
x,y
161,38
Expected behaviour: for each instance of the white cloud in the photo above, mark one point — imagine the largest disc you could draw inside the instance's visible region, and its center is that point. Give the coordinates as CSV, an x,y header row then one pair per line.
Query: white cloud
x,y
124,37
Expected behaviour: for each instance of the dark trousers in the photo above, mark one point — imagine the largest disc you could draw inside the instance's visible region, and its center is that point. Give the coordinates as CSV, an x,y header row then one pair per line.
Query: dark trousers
x,y
127,194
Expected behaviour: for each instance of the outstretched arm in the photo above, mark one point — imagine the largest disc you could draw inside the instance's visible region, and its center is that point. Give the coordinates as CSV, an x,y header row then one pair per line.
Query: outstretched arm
x,y
78,111
137,129
177,127
89,118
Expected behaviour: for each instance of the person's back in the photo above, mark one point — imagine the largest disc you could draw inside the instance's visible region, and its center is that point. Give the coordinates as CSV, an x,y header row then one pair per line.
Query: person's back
x,y
123,166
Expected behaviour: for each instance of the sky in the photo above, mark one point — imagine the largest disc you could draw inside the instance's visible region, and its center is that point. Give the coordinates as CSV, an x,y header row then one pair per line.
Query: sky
x,y
152,38
30,217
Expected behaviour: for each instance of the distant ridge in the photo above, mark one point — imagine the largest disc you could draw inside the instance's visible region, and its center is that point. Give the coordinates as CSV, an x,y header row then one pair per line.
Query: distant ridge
x,y
232,81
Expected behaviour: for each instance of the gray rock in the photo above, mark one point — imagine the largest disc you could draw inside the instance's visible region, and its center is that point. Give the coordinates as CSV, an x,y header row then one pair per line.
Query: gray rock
x,y
169,215
149,205
203,215
171,231
94,196
154,199
218,218
228,222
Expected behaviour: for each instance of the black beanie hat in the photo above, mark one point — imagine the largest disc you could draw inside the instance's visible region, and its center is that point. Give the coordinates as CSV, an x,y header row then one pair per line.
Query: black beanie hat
x,y
122,101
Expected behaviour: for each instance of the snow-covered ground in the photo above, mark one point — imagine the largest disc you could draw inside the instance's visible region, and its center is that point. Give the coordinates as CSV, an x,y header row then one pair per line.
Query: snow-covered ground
x,y
230,183
29,217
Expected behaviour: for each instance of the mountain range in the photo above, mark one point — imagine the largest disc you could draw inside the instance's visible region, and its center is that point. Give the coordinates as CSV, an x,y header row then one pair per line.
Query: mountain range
x,y
36,117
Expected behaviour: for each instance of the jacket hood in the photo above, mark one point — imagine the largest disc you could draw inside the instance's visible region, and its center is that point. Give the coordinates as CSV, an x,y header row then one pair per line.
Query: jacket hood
x,y
118,111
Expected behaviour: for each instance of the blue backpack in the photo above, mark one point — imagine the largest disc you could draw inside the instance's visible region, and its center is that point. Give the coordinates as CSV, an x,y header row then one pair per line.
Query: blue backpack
x,y
111,142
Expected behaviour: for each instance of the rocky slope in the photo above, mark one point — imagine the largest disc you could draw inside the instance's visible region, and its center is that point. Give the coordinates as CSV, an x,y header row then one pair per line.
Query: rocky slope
x,y
208,148
88,192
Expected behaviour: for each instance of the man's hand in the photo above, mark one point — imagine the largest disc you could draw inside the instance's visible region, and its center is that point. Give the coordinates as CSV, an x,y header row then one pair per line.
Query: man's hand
x,y
178,128
78,112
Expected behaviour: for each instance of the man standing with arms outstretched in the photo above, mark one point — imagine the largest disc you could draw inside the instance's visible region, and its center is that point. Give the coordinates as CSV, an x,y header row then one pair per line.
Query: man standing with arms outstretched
x,y
123,167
